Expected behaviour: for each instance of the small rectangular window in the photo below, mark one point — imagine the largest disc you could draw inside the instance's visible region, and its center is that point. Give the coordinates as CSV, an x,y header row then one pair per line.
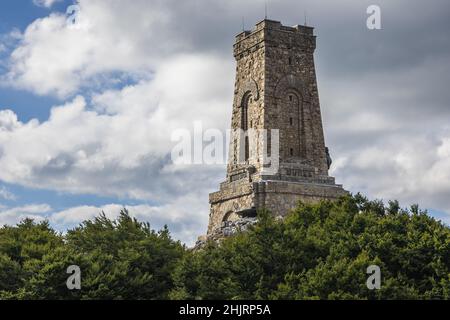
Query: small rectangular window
x,y
290,60
292,152
291,121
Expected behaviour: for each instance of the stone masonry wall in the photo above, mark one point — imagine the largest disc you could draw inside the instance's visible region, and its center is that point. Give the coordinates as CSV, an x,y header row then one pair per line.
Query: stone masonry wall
x,y
275,88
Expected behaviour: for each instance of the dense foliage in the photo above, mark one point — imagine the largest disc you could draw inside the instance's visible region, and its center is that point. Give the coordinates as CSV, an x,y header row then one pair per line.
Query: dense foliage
x,y
319,251
121,259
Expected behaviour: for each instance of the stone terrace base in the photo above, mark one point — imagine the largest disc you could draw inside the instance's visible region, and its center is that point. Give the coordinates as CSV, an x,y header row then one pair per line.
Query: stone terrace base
x,y
236,200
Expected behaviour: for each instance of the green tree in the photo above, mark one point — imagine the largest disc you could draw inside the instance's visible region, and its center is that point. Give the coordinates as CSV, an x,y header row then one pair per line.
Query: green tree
x,y
122,259
322,251
319,251
22,248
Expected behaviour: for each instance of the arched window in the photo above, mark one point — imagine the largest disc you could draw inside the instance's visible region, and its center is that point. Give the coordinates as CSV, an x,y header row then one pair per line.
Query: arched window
x,y
245,125
230,216
244,114
292,125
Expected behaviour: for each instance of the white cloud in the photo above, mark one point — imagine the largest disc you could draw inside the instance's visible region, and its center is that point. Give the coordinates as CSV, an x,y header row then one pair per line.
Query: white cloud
x,y
384,112
114,38
8,120
184,216
119,145
58,58
388,137
45,3
12,216
6,194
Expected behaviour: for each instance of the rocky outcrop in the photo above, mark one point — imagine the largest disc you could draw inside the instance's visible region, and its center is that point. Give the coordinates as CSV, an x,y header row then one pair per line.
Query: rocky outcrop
x,y
227,229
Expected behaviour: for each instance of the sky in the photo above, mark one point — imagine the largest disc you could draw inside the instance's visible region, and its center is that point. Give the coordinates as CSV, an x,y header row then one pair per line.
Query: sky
x,y
87,109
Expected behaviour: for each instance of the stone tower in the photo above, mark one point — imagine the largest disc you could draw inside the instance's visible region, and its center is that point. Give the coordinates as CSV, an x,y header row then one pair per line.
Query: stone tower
x,y
275,89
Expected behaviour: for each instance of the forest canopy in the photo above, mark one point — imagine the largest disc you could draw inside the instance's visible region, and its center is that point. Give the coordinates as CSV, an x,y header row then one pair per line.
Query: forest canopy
x,y
319,251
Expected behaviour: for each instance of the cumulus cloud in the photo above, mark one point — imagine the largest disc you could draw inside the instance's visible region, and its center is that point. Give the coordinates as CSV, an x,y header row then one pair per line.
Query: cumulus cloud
x,y
110,38
13,216
45,3
69,56
6,194
390,133
8,120
120,144
184,215
383,93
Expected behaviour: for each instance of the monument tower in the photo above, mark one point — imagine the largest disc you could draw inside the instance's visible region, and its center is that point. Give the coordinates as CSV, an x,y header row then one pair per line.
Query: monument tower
x,y
275,89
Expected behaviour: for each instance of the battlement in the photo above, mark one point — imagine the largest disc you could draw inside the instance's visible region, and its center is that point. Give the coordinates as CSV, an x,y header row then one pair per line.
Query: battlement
x,y
273,32
277,26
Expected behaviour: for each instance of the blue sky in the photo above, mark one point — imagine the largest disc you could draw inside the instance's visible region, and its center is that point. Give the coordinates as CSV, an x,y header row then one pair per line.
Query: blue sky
x,y
92,107
18,15
27,105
